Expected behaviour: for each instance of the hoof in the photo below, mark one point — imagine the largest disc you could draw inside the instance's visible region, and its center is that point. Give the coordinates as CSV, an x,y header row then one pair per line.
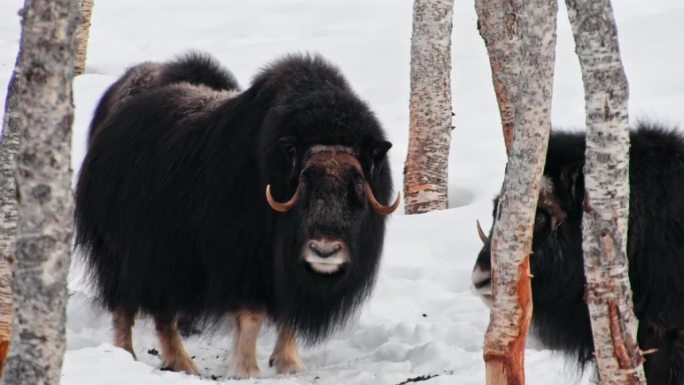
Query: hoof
x,y
243,372
186,366
286,365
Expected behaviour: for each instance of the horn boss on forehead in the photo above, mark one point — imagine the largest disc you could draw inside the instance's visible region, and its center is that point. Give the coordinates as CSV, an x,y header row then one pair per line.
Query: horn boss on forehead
x,y
333,158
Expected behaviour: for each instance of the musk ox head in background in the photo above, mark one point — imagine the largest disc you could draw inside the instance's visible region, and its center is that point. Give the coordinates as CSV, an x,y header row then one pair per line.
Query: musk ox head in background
x,y
560,319
196,200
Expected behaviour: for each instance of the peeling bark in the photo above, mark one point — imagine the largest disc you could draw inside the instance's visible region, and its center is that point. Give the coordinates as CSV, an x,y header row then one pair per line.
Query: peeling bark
x,y
44,114
512,235
426,167
497,21
606,205
82,33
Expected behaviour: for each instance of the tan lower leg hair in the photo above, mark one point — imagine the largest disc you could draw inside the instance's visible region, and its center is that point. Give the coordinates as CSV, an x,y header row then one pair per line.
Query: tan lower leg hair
x,y
248,324
285,357
122,325
171,345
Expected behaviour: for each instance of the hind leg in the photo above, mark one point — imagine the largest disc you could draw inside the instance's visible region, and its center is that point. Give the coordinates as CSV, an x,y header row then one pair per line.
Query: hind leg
x,y
173,354
122,325
677,355
285,357
248,324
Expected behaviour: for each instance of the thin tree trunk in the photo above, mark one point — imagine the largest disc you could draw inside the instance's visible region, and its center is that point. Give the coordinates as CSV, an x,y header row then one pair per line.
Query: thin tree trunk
x,y
8,213
44,71
606,204
498,25
512,236
82,36
426,167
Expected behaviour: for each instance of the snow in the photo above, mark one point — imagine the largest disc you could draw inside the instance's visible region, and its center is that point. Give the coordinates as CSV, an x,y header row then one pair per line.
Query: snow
x,y
422,319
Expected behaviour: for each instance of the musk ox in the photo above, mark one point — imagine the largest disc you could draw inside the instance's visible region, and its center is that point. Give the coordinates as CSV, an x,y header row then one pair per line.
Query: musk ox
x,y
196,200
655,250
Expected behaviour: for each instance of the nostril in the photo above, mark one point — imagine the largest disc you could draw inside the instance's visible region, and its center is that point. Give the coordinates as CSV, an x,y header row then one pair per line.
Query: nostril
x,y
325,249
314,247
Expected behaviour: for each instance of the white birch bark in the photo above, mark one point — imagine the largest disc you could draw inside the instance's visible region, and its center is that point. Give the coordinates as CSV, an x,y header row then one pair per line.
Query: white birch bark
x,y
82,33
606,202
44,111
425,170
512,236
8,213
498,25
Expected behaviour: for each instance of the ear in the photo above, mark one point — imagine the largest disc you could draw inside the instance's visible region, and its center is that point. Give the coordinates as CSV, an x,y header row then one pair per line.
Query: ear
x,y
378,151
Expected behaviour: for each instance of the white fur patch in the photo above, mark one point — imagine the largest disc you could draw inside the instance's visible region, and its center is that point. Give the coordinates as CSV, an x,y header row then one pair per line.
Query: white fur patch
x,y
325,256
326,265
482,284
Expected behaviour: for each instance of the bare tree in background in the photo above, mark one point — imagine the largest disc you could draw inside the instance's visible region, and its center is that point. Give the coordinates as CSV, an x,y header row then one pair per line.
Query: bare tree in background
x,y
497,22
41,103
511,245
606,201
82,36
426,167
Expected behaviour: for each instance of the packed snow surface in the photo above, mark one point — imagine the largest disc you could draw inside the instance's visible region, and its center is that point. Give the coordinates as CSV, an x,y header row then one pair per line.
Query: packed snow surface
x,y
422,320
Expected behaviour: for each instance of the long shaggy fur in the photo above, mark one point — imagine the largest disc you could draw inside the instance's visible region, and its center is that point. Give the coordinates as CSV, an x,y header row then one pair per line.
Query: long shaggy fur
x,y
655,251
170,207
193,68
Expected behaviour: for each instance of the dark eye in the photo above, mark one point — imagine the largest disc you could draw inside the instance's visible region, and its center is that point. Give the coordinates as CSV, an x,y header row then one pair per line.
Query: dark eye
x,y
359,187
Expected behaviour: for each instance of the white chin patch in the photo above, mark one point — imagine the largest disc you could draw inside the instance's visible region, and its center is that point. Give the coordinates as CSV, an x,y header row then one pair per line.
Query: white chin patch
x,y
325,265
487,300
328,265
325,268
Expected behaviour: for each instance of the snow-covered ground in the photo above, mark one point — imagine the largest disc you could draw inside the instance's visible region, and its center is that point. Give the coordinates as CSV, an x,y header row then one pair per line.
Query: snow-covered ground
x,y
421,319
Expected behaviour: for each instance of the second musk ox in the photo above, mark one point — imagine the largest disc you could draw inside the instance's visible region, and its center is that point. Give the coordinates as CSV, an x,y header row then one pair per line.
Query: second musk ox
x,y
655,249
196,200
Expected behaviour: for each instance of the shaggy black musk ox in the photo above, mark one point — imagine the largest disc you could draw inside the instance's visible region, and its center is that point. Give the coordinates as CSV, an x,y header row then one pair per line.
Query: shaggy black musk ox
x,y
196,200
655,250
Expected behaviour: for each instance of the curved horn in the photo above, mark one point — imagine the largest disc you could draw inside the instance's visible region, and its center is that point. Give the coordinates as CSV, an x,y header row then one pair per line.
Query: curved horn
x,y
481,233
280,207
377,206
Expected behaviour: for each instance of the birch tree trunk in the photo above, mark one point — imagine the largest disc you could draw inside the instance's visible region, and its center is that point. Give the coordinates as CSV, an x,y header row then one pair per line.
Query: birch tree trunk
x,y
606,202
8,213
511,245
82,36
498,25
44,71
426,167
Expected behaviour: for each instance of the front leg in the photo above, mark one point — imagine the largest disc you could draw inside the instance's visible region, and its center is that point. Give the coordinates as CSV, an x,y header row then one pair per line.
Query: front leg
x,y
248,323
172,351
285,357
122,325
